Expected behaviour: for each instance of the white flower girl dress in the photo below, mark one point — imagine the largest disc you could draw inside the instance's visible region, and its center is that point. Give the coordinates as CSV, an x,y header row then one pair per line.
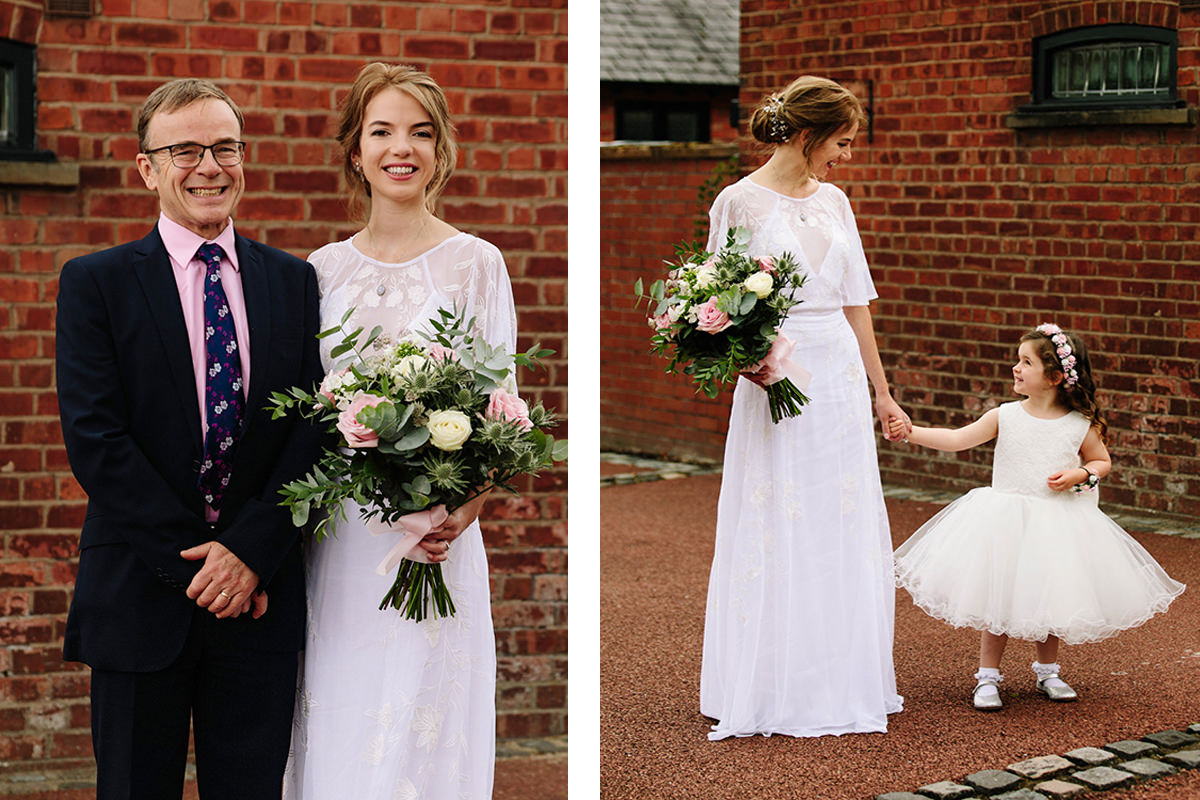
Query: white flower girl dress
x,y
1021,559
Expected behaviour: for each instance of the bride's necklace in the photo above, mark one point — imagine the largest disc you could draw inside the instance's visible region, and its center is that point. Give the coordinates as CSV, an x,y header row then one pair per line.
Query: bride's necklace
x,y
794,189
414,248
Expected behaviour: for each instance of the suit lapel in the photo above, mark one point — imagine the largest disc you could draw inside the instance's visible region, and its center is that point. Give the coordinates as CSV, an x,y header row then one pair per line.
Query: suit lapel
x,y
257,290
152,266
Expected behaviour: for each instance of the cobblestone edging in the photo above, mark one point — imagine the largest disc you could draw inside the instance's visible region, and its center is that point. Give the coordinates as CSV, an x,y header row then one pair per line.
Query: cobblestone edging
x,y
1085,770
522,748
649,469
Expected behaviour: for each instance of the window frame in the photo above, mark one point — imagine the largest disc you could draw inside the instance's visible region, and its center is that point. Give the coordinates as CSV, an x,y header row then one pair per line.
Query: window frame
x,y
660,110
1046,47
21,144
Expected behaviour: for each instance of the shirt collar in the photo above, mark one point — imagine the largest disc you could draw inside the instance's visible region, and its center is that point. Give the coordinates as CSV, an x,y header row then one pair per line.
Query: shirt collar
x,y
182,244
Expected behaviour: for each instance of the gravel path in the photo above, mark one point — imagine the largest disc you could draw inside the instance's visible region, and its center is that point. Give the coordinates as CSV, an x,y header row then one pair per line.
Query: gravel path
x,y
656,548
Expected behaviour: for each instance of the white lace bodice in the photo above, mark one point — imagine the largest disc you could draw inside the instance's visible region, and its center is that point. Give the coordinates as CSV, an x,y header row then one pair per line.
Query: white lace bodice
x,y
1030,449
819,230
462,269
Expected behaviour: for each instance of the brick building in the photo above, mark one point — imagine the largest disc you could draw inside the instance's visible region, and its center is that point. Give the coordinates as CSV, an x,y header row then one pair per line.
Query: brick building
x,y
1026,161
668,113
68,185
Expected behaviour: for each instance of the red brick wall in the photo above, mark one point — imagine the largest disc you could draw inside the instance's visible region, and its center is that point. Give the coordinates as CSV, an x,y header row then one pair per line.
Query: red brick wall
x,y
503,66
977,231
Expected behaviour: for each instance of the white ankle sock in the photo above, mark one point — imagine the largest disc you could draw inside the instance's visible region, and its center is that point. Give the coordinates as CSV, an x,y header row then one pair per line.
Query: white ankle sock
x,y
1044,670
986,679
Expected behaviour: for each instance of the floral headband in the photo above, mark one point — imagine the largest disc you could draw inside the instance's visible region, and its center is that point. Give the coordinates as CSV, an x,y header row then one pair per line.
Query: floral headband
x,y
1062,347
777,128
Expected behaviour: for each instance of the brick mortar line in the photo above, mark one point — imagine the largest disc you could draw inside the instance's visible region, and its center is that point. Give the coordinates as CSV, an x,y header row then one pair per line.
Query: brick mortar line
x,y
655,469
1029,780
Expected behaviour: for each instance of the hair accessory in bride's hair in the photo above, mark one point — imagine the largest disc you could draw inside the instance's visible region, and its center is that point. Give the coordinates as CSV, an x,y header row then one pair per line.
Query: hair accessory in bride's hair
x,y
1062,348
777,127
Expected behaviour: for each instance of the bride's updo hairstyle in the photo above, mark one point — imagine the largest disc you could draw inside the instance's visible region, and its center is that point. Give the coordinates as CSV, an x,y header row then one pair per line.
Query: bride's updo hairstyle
x,y
371,80
818,106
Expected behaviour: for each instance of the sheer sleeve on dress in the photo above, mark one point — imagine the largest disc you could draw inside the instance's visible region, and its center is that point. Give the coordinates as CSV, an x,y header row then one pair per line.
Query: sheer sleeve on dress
x,y
718,221
857,287
491,297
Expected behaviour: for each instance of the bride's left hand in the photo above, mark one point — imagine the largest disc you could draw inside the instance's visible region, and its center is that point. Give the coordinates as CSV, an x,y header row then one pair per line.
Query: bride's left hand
x,y
886,409
436,543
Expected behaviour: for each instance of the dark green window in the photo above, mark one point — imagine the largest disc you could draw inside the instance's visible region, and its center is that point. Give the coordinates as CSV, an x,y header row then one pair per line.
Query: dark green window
x,y
662,122
18,112
1106,66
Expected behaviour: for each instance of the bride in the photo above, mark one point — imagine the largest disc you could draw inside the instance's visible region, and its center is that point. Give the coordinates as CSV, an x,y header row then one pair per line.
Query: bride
x,y
389,707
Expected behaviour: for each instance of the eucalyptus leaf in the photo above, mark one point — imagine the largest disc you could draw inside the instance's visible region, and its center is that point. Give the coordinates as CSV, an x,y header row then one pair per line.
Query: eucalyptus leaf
x,y
747,304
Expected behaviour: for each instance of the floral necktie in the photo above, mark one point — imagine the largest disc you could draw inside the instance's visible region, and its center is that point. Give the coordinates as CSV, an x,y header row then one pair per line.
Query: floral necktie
x,y
223,385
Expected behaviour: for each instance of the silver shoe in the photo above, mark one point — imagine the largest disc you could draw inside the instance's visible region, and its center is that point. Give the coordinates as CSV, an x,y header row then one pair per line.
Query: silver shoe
x,y
988,702
1059,694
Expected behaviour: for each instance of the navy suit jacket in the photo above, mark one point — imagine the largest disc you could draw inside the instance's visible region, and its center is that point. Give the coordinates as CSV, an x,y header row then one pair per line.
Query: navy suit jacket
x,y
131,423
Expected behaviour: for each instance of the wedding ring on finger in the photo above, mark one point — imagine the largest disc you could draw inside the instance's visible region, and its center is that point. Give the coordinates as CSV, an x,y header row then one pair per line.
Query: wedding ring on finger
x,y
226,595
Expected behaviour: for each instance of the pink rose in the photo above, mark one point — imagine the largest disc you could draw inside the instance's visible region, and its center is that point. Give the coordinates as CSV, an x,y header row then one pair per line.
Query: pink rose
x,y
661,322
355,433
711,319
509,407
767,265
439,352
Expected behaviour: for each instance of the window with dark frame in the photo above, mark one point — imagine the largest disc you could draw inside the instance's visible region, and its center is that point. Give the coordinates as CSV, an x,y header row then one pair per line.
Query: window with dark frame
x,y
1105,67
18,107
662,122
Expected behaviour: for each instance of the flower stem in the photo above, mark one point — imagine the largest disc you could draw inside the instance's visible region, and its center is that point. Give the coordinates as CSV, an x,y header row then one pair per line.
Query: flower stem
x,y
785,400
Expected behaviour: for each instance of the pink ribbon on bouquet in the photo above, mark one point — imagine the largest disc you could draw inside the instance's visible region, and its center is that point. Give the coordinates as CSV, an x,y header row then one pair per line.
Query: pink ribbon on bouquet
x,y
780,366
415,527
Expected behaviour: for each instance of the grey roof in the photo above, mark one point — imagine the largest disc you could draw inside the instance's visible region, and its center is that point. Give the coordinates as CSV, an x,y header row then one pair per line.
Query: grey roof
x,y
669,41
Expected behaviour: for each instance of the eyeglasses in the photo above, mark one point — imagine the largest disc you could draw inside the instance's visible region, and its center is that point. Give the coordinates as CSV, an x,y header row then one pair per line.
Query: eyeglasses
x,y
186,156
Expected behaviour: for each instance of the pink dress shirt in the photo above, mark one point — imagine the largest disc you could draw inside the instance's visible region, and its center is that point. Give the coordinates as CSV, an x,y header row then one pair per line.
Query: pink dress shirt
x,y
182,245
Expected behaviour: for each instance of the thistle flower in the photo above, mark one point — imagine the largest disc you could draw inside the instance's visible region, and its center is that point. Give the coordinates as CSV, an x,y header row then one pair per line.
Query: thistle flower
x,y
445,471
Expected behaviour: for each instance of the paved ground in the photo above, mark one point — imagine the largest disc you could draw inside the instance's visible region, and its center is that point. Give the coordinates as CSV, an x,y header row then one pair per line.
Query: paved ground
x,y
656,548
525,770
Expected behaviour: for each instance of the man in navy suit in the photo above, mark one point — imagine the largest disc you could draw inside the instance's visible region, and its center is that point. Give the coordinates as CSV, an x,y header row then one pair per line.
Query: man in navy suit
x,y
189,600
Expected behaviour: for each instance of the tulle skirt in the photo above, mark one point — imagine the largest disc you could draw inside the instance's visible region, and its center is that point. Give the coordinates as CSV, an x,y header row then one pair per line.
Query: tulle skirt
x,y
1031,567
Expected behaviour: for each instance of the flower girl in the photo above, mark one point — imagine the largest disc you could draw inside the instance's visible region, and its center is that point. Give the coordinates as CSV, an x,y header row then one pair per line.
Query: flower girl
x,y
1032,556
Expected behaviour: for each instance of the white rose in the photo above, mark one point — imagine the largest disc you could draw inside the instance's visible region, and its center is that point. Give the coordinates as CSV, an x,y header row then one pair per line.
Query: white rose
x,y
706,276
448,429
760,283
407,366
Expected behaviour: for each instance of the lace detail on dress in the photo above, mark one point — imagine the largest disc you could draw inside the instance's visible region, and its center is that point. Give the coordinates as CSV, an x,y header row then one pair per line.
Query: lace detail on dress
x,y
462,269
819,230
1029,450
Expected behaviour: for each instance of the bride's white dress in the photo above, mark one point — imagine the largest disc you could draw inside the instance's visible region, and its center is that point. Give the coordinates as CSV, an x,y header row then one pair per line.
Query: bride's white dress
x,y
388,708
799,624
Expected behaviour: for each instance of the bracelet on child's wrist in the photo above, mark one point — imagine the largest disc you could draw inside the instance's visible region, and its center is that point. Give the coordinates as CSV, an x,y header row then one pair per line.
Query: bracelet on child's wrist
x,y
1088,485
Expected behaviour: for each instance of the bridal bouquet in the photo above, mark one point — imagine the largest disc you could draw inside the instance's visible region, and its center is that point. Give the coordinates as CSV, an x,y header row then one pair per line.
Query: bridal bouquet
x,y
425,424
718,314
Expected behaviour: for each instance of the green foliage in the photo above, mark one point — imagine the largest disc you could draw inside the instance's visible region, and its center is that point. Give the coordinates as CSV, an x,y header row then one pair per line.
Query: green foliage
x,y
713,360
404,471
